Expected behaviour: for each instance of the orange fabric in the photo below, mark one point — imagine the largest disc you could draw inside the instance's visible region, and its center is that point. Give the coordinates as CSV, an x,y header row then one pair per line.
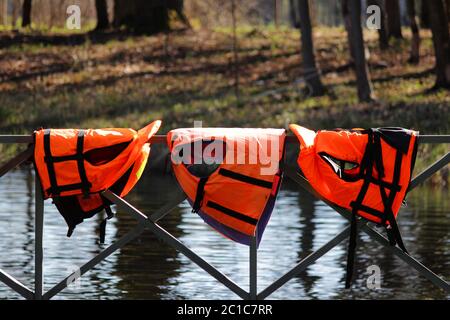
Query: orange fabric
x,y
245,198
63,142
350,146
89,203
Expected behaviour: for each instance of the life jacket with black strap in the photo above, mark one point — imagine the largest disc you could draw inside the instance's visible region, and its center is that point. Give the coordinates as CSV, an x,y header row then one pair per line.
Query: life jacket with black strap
x,y
367,172
231,176
76,165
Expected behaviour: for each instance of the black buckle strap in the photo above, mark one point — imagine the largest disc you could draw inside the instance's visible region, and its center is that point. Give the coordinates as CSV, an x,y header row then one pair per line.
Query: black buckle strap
x,y
199,195
373,156
392,230
356,206
109,215
365,171
50,160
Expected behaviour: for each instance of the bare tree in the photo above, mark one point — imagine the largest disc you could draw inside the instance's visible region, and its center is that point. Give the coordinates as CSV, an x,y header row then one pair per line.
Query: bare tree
x,y
382,31
394,19
141,15
447,2
424,15
352,14
147,15
102,14
310,71
293,14
26,13
439,28
415,41
15,12
348,27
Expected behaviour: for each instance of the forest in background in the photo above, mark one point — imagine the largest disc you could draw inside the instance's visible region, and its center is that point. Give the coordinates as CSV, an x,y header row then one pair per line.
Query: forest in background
x,y
229,63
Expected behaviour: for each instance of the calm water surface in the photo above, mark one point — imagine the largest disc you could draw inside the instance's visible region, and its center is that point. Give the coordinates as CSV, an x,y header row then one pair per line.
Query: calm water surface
x,y
148,269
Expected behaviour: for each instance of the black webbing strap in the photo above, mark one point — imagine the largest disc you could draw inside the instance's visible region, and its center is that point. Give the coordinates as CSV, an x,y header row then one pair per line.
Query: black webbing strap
x,y
232,213
109,215
80,163
70,230
356,205
199,195
366,172
373,156
245,178
392,229
49,162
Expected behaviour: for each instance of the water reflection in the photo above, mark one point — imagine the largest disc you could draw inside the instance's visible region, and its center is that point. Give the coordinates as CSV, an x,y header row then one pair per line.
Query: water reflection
x,y
148,269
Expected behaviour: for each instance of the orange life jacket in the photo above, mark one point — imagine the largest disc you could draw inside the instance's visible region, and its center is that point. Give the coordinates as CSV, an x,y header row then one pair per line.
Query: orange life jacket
x,y
75,165
365,171
225,177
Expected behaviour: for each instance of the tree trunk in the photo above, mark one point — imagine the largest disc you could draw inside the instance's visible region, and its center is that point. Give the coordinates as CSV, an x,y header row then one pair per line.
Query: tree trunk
x,y
439,28
142,16
102,15
310,71
356,37
447,2
26,13
382,32
15,13
415,41
394,19
293,14
348,28
424,15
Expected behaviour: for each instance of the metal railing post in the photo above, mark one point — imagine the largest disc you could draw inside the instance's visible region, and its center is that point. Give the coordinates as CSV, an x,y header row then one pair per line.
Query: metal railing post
x,y
38,239
254,268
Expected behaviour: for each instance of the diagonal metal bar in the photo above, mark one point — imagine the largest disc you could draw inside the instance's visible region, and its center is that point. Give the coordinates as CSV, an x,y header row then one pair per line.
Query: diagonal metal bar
x,y
428,172
175,243
15,161
423,270
419,267
15,285
304,263
135,232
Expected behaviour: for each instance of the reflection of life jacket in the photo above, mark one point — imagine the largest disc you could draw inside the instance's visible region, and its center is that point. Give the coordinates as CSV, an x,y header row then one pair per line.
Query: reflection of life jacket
x,y
226,176
75,165
365,171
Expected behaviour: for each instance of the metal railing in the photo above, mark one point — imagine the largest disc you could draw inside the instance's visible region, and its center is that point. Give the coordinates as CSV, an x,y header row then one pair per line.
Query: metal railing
x,y
150,223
